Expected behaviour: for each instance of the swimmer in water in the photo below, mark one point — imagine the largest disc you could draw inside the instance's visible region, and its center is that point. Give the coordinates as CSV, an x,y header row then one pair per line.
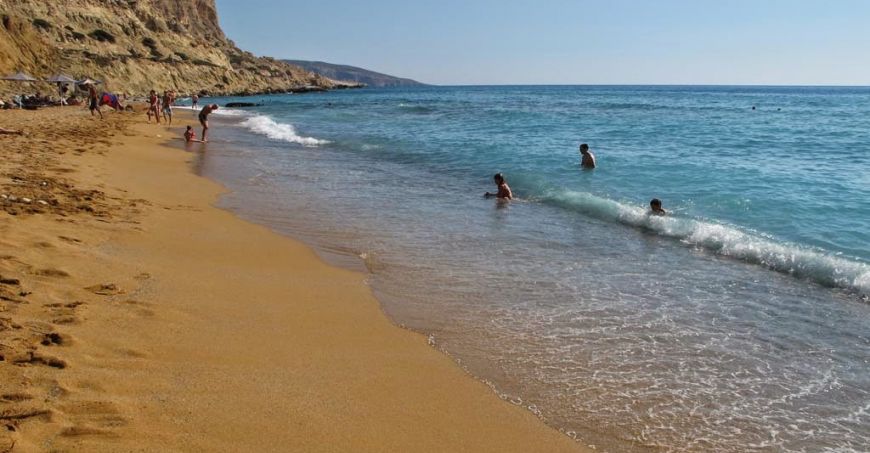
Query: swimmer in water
x,y
587,159
655,207
504,191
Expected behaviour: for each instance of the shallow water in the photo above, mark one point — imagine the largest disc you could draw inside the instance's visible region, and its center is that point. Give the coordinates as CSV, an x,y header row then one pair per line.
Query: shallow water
x,y
738,323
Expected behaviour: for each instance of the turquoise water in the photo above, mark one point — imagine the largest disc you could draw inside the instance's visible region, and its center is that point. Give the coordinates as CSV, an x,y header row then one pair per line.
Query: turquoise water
x,y
737,323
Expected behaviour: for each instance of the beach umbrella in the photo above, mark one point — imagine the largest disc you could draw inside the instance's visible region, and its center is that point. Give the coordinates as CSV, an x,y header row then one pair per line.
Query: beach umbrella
x,y
88,81
60,78
62,81
20,77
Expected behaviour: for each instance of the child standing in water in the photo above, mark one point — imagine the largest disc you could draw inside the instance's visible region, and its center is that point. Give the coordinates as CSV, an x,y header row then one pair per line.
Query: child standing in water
x,y
504,191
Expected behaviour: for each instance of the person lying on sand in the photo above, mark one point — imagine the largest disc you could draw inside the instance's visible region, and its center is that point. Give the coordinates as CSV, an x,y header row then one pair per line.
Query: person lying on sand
x,y
203,119
10,132
655,207
190,135
504,191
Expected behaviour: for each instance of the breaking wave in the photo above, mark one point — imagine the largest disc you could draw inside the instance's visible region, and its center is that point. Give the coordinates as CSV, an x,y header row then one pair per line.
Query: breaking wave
x,y
279,131
726,240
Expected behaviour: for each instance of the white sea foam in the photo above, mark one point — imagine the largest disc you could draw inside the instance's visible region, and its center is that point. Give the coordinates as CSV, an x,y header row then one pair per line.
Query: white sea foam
x,y
279,131
222,111
226,112
727,240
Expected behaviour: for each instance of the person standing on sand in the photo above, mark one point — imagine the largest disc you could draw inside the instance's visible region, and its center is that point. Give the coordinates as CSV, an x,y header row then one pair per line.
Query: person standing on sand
x,y
93,100
168,100
62,89
587,159
153,106
194,101
504,191
203,119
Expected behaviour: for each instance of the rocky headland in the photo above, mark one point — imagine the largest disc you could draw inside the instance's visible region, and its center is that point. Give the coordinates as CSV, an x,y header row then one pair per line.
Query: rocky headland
x,y
138,45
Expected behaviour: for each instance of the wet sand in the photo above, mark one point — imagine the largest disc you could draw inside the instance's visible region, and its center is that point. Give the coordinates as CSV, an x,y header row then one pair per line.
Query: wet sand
x,y
135,316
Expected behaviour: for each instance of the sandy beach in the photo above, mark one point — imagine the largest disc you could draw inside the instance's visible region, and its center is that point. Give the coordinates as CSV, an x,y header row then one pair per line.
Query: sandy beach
x,y
138,317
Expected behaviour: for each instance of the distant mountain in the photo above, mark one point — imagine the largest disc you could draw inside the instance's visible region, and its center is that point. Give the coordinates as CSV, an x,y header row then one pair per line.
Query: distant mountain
x,y
353,74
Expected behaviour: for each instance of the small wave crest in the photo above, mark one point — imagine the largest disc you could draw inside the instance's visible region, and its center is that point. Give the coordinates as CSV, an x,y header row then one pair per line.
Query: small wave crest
x,y
416,108
227,112
726,240
279,131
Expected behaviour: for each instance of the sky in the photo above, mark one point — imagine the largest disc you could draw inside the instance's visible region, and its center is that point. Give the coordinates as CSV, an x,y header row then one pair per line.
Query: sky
x,y
492,42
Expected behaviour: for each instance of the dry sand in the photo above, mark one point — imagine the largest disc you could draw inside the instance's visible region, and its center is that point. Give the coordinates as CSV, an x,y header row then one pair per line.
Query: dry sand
x,y
135,316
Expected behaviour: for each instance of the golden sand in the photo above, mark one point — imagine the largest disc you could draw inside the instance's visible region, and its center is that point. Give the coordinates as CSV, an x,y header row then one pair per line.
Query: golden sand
x,y
135,316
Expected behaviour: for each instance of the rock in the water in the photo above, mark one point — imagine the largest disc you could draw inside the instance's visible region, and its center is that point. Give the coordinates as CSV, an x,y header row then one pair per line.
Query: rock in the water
x,y
242,104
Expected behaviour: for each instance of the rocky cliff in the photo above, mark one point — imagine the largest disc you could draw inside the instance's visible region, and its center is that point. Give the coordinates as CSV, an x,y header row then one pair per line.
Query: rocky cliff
x,y
138,45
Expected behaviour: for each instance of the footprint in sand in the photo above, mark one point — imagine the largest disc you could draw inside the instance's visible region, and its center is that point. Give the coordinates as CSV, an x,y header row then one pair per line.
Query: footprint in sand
x,y
92,418
64,313
51,273
105,289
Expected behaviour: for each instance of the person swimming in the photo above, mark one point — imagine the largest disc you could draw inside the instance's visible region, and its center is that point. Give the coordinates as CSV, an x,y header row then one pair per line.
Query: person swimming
x,y
504,191
587,159
655,207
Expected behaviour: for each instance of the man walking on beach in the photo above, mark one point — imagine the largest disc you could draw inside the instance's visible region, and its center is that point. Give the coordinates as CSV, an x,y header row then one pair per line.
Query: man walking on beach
x,y
203,119
587,160
93,100
194,101
168,100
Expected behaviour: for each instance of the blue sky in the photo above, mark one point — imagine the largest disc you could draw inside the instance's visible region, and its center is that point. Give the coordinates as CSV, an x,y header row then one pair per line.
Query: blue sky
x,y
769,42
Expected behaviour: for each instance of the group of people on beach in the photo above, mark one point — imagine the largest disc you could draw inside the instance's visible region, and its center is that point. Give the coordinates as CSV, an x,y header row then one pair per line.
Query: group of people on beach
x,y
587,162
162,106
190,134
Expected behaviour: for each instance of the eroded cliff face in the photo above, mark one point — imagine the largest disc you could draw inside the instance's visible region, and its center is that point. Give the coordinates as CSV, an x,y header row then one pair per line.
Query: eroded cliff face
x,y
137,45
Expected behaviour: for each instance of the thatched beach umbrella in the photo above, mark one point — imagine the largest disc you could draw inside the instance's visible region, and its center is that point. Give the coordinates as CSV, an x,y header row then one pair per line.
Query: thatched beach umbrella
x,y
20,77
88,81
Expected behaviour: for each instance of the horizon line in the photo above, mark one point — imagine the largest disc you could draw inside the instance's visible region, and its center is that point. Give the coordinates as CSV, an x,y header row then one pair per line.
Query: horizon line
x,y
646,85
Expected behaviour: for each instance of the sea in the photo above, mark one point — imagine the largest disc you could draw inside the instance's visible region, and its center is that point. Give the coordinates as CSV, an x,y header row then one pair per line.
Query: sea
x,y
739,322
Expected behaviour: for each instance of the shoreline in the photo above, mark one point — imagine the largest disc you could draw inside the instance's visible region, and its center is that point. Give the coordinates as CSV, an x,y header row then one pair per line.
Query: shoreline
x,y
179,324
